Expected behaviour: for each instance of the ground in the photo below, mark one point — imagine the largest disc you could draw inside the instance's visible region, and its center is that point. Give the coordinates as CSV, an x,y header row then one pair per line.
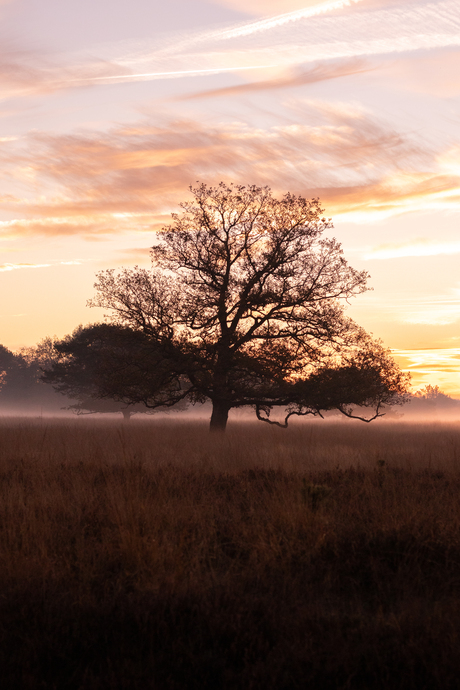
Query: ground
x,y
155,555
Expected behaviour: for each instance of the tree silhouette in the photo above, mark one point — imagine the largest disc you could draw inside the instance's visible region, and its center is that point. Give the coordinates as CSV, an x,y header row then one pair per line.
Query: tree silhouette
x,y
247,297
19,380
101,366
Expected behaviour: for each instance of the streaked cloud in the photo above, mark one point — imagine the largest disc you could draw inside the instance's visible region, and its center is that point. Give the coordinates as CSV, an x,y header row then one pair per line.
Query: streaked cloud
x,y
276,41
132,177
433,312
413,306
400,192
321,72
75,224
280,40
436,366
15,267
305,12
265,7
28,73
416,247
19,266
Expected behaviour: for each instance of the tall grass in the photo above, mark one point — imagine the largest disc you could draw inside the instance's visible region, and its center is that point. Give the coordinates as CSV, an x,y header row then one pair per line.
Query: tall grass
x,y
153,555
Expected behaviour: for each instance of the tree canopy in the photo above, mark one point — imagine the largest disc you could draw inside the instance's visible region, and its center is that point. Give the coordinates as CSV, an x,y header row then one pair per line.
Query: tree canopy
x,y
245,306
103,366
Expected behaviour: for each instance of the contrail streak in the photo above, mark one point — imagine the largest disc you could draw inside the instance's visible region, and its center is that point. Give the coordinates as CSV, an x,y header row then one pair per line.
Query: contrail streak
x,y
310,38
174,74
280,19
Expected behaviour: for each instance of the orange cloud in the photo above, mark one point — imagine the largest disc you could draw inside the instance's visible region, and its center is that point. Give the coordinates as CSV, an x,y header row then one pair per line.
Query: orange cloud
x,y
439,366
394,194
131,178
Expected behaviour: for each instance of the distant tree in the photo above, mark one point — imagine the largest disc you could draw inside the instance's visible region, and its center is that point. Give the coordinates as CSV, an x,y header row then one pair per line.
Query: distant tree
x,y
432,397
42,355
7,361
17,378
7,364
248,298
99,366
21,388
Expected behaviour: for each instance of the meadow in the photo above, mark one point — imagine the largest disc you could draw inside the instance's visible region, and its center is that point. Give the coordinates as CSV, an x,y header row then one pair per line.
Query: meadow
x,y
155,555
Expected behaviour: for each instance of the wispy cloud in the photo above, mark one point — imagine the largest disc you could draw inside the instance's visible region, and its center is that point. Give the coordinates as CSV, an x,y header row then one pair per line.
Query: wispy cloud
x,y
321,72
15,267
285,18
275,41
281,40
268,7
437,366
132,177
393,194
19,266
416,247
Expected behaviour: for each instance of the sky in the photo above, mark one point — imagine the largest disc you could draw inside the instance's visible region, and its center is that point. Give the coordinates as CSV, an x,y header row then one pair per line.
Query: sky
x,y
111,109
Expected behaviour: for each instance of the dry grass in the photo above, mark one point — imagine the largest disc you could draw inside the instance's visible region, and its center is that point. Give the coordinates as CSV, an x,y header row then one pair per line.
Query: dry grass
x,y
152,555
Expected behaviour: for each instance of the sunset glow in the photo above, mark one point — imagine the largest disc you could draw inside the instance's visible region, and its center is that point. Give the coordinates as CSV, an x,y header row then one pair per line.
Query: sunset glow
x,y
105,124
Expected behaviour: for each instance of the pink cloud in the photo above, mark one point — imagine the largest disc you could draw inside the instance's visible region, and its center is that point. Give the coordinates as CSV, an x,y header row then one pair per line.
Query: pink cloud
x,y
321,72
132,177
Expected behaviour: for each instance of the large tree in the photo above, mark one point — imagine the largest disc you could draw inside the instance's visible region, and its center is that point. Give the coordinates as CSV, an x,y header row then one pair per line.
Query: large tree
x,y
247,296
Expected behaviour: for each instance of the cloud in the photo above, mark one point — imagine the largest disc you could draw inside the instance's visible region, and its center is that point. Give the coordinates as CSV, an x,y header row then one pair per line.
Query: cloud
x,y
26,73
75,223
265,7
312,10
393,194
438,366
277,41
131,178
321,72
416,247
428,310
15,267
280,40
268,7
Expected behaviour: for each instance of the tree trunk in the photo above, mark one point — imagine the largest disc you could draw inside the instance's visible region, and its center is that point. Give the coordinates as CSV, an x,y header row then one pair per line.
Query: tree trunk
x,y
219,416
126,415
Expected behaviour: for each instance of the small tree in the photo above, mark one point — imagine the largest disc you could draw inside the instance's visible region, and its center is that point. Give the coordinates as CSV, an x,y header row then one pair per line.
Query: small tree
x,y
99,366
249,297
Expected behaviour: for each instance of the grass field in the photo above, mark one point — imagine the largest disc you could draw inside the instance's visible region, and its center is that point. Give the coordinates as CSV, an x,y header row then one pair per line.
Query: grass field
x,y
153,555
